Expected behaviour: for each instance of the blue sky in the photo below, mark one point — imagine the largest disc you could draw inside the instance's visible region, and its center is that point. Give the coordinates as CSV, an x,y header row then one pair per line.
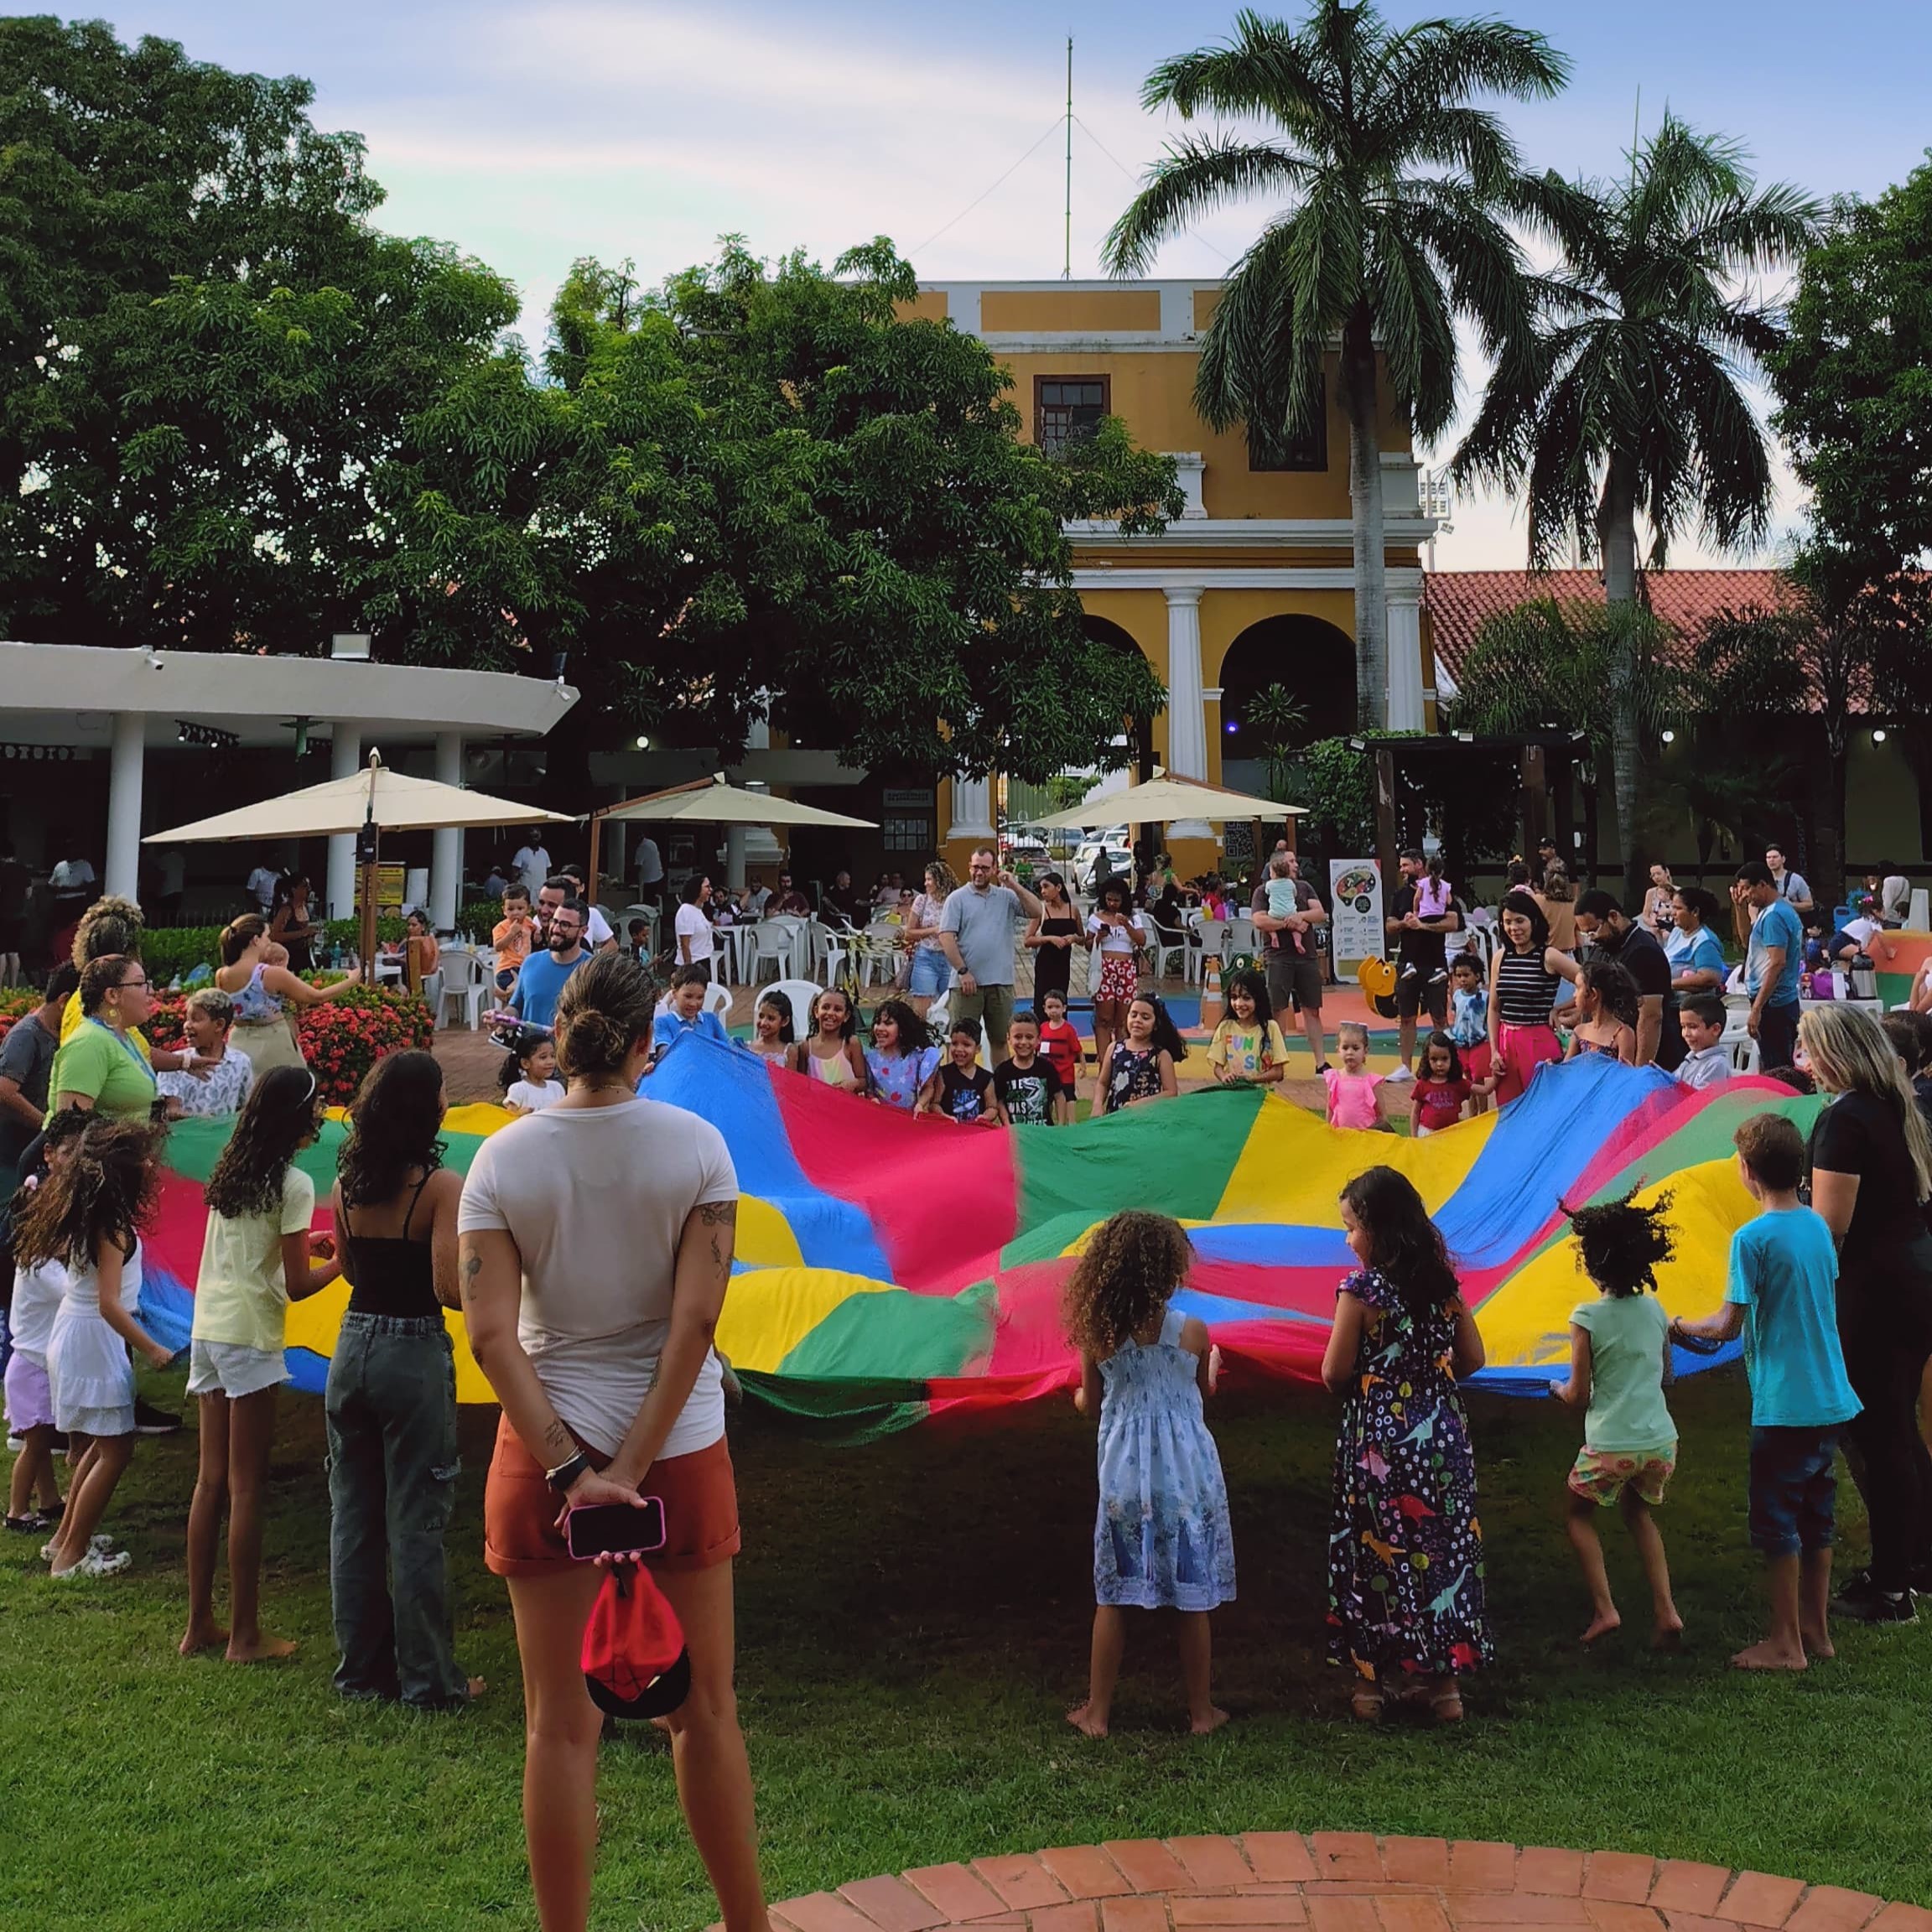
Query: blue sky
x,y
531,135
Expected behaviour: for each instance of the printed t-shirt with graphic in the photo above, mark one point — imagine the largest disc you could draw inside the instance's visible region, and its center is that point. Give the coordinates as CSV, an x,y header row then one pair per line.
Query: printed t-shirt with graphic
x,y
1029,1094
963,1093
1247,1051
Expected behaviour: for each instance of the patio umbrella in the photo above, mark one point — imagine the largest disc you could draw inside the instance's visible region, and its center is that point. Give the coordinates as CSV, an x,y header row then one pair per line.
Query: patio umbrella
x,y
714,801
374,800
1162,799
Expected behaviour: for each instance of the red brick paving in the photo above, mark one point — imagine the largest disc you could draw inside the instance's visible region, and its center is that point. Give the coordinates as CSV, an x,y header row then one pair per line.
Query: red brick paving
x,y
1335,1881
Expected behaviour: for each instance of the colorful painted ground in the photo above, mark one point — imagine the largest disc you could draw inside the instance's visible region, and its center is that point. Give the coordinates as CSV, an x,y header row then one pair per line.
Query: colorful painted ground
x,y
890,1268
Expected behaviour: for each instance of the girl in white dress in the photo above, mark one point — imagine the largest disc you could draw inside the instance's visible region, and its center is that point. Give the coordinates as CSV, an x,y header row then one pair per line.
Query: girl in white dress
x,y
89,1215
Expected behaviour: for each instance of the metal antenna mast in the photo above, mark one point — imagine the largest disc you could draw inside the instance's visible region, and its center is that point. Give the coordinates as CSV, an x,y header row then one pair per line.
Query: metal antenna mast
x,y
1066,256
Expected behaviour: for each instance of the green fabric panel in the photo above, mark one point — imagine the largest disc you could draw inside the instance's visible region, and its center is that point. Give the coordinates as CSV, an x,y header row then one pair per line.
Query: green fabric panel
x,y
895,1338
1895,989
1179,1154
842,1414
1708,1136
194,1146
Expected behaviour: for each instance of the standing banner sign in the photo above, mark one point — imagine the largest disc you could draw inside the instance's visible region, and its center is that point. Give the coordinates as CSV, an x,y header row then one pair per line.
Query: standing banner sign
x,y
1355,910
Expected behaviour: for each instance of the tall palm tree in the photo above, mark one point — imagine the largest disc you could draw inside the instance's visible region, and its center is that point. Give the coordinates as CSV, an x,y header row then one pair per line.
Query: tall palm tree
x,y
1626,402
1392,188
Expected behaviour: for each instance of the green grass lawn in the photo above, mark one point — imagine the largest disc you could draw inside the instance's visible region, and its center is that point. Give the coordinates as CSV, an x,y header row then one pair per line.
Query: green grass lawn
x,y
913,1620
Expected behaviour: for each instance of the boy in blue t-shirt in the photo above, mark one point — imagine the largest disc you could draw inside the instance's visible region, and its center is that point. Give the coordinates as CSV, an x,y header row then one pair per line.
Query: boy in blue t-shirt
x,y
1783,1297
683,1011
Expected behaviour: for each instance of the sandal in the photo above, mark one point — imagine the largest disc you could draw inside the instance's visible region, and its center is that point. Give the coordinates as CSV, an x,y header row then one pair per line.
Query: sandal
x,y
1366,1704
32,1521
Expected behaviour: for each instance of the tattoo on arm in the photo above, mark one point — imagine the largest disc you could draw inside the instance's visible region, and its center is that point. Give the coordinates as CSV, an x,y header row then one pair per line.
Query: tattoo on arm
x,y
712,1213
469,1266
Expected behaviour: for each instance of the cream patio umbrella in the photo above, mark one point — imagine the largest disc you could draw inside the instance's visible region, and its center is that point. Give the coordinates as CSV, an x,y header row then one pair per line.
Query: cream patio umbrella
x,y
374,800
1164,798
714,801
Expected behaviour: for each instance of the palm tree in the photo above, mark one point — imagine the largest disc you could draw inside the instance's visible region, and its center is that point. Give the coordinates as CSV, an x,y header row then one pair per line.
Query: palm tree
x,y
1393,186
1626,401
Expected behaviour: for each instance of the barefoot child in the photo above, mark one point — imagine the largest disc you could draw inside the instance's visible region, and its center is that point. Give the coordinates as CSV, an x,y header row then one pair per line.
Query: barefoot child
x,y
34,1496
1352,1101
1161,1534
1248,1046
1061,1042
1782,1296
1437,1098
1405,1590
88,1215
1619,1364
255,1258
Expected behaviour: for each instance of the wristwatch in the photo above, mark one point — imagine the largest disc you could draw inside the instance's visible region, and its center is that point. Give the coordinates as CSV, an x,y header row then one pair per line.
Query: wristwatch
x,y
565,1473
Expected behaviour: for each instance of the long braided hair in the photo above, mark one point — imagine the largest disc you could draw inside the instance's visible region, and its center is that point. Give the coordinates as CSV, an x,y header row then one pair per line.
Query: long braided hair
x,y
103,1196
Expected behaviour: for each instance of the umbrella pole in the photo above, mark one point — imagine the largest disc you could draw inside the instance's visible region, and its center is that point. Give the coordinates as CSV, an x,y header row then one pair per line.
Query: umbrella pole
x,y
372,871
596,833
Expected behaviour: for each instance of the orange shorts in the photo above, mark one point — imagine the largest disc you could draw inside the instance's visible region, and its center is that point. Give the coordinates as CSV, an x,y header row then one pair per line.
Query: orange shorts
x,y
521,1537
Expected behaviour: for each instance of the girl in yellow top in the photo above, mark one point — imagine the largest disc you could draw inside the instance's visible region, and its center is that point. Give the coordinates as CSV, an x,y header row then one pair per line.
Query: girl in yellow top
x,y
1247,1046
256,1257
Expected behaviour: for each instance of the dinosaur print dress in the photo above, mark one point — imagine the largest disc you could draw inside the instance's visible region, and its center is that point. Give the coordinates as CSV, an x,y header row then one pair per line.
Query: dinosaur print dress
x,y
1405,1598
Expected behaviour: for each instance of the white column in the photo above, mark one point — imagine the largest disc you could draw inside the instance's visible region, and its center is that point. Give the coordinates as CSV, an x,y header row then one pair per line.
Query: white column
x,y
446,845
734,857
972,809
1187,703
345,761
122,875
1405,609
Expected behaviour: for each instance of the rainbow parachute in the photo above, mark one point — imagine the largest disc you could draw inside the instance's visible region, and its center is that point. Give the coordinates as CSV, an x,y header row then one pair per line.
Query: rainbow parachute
x,y
890,1267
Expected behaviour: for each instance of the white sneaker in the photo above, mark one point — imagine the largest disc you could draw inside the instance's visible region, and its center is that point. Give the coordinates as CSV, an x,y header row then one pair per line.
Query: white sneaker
x,y
1399,1075
99,1563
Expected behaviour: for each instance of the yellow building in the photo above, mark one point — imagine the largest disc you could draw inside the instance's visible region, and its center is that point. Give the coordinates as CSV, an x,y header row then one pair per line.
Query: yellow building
x,y
1254,584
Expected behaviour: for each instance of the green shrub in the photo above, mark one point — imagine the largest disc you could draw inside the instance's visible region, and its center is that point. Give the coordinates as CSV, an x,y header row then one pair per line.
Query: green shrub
x,y
348,932
170,952
476,920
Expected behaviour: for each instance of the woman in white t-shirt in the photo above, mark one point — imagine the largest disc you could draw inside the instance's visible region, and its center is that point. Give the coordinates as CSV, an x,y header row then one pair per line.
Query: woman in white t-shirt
x,y
596,1243
691,928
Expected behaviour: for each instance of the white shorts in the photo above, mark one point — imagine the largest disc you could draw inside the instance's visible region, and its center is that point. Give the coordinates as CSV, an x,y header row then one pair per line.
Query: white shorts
x,y
233,1369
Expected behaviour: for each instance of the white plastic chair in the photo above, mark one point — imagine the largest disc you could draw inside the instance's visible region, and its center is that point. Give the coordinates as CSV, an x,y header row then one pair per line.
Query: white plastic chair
x,y
1742,1049
1164,946
1205,938
778,939
718,999
1240,937
464,979
801,992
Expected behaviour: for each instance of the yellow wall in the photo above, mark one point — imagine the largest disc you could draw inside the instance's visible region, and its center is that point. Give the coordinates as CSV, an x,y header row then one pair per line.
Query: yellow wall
x,y
1015,311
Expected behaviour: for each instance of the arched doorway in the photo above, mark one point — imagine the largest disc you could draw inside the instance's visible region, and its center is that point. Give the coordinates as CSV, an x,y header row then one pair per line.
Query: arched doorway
x,y
1312,660
1139,732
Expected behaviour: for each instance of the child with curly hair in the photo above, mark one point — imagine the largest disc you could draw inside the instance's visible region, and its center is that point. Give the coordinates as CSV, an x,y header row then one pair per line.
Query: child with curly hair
x,y
1619,1367
89,1214
1161,1535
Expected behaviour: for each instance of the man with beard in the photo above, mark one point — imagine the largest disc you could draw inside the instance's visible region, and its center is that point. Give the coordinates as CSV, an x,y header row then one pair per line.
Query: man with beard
x,y
1607,927
542,978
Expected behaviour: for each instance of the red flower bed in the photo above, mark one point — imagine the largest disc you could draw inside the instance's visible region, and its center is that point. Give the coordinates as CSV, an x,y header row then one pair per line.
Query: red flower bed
x,y
341,1039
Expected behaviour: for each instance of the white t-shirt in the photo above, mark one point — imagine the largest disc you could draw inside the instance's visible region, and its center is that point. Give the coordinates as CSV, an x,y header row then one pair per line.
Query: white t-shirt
x,y
531,1098
1864,931
37,1293
596,928
595,1199
692,922
650,863
1112,938
261,886
532,867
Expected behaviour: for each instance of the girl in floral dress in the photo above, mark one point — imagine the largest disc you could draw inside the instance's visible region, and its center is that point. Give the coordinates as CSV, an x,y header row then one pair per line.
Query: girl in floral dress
x,y
1161,1535
1406,1567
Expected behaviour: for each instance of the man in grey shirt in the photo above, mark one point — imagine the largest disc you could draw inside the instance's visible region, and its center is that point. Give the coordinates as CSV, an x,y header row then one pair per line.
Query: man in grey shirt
x,y
976,934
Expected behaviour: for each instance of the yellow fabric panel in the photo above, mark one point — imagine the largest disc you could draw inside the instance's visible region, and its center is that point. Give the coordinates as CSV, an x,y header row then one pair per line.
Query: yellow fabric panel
x,y
769,1311
1295,1164
765,1236
479,1117
316,1322
1527,1321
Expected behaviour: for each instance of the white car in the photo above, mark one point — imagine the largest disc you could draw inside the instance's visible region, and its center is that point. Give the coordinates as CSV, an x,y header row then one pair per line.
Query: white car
x,y
1119,850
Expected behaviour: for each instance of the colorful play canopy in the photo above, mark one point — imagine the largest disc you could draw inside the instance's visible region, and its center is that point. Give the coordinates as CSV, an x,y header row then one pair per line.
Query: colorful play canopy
x,y
890,1268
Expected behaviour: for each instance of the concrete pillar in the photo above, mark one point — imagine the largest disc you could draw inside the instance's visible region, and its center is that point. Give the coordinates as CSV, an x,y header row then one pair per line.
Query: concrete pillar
x,y
446,844
972,809
1405,608
120,876
339,889
734,857
1187,701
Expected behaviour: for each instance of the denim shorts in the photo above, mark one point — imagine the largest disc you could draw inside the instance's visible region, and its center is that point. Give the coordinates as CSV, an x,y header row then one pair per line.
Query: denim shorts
x,y
931,974
1794,1487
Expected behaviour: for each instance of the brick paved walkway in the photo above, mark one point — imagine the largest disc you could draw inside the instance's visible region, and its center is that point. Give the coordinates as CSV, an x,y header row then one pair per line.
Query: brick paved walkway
x,y
1337,1881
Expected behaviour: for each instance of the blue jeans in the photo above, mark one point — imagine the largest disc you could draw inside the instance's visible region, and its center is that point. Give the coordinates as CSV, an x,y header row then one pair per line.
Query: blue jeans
x,y
930,975
392,1466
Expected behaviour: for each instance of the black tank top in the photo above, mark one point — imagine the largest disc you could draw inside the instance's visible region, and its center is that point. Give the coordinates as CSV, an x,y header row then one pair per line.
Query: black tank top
x,y
392,1274
1525,988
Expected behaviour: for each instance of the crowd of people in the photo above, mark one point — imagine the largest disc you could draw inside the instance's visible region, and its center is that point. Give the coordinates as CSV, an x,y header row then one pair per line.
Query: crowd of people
x,y
590,1247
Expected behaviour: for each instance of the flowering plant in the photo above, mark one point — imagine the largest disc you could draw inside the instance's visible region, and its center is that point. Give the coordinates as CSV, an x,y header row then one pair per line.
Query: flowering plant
x,y
341,1039
15,1003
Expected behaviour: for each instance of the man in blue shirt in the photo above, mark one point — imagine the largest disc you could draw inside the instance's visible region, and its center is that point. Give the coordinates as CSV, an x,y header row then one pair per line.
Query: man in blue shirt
x,y
541,983
1774,956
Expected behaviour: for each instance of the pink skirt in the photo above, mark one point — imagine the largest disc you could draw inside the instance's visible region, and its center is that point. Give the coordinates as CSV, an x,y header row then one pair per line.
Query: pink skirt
x,y
1523,1049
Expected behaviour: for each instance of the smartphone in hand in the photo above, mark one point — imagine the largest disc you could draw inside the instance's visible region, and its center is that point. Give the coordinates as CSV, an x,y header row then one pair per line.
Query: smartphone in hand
x,y
614,1529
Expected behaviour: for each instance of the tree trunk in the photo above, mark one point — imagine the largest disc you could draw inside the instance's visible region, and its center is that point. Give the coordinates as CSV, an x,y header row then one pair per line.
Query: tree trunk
x,y
1616,538
1827,878
1358,400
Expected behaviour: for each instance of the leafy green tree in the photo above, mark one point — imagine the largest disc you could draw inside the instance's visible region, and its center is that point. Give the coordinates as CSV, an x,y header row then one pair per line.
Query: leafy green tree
x,y
758,492
1282,721
1626,403
1394,188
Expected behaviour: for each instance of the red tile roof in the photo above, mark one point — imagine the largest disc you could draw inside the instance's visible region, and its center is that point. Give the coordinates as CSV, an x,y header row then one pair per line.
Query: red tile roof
x,y
1461,602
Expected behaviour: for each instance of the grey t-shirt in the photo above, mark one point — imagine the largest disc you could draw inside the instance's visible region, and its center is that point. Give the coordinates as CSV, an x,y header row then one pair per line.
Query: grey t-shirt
x,y
27,1059
984,923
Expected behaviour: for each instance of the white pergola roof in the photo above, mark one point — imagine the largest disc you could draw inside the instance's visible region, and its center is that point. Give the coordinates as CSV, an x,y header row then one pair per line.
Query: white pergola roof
x,y
70,694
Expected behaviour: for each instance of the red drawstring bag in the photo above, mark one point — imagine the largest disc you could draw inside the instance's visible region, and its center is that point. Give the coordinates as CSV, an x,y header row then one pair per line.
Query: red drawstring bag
x,y
634,1658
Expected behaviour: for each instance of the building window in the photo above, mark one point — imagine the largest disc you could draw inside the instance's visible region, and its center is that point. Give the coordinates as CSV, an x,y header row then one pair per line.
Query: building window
x,y
1066,409
1273,449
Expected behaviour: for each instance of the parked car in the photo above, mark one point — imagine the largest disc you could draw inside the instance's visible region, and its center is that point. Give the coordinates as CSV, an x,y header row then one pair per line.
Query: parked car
x,y
1119,849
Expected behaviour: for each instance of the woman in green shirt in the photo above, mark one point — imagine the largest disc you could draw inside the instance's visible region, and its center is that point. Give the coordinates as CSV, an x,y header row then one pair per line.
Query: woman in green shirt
x,y
101,1068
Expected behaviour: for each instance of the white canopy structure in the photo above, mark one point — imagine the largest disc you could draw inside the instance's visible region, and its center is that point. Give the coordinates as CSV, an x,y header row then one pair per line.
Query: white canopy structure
x,y
1164,799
